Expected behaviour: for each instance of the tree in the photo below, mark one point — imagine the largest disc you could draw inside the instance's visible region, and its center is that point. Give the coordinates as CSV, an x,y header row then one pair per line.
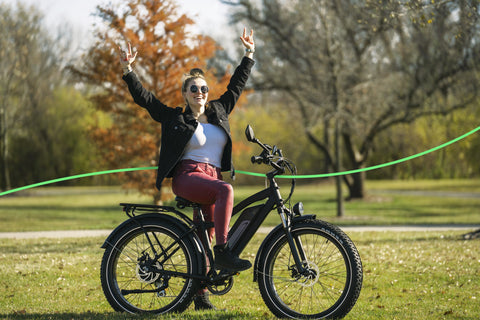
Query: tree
x,y
19,27
54,144
31,62
167,49
364,66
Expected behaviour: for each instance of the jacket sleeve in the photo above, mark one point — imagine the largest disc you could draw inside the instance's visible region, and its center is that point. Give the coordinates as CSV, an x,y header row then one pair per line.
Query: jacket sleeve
x,y
145,98
236,84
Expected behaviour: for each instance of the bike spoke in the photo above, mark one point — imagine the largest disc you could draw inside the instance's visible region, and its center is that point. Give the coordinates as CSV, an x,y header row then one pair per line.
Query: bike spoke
x,y
313,293
131,280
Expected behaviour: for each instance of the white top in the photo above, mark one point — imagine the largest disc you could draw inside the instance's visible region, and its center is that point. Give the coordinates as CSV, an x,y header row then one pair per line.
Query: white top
x,y
206,145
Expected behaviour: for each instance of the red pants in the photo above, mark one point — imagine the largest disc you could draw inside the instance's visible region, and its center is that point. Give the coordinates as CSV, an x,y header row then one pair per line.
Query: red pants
x,y
202,183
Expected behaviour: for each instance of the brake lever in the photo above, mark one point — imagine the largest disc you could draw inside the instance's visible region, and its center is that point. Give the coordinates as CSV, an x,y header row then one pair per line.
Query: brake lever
x,y
278,167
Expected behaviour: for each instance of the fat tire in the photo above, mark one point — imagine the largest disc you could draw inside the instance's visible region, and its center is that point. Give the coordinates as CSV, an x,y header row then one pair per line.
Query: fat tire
x,y
115,253
282,289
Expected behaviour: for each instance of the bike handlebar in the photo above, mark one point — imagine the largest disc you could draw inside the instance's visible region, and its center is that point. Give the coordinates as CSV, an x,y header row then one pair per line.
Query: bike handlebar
x,y
272,156
267,157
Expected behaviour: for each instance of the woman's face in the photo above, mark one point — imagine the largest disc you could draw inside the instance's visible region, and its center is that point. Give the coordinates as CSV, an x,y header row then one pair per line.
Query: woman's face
x,y
196,100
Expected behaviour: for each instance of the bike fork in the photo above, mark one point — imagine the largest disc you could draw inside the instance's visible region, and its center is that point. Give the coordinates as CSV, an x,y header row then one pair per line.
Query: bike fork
x,y
296,246
297,251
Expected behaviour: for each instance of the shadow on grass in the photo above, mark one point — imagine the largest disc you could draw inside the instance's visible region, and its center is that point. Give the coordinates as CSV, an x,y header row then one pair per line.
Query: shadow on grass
x,y
422,238
205,315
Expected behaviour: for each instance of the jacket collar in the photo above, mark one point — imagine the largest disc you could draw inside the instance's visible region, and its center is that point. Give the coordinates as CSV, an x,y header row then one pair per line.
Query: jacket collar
x,y
209,112
188,115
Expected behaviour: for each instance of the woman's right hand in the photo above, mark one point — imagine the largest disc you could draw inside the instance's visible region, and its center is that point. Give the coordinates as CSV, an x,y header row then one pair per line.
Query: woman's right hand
x,y
127,58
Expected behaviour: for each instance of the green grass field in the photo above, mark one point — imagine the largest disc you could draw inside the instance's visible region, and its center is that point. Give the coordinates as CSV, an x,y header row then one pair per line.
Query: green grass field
x,y
421,275
424,275
72,208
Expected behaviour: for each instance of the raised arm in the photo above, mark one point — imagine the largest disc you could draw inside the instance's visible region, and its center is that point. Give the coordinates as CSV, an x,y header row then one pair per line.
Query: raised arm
x,y
143,97
240,75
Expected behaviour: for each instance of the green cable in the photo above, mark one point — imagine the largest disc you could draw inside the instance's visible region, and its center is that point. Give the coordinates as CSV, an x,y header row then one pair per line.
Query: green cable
x,y
78,176
323,175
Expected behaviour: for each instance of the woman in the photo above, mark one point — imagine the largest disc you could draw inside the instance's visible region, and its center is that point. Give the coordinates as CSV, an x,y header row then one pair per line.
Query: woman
x,y
197,147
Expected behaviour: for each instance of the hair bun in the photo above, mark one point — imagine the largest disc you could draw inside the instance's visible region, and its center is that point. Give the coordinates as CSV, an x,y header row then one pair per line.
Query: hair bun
x,y
195,72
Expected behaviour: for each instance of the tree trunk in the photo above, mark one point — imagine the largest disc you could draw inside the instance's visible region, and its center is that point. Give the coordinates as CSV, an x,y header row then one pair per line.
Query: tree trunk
x,y
4,149
338,179
356,187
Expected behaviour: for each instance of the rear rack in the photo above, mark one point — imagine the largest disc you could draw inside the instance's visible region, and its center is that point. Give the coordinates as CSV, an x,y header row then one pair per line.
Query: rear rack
x,y
131,209
150,208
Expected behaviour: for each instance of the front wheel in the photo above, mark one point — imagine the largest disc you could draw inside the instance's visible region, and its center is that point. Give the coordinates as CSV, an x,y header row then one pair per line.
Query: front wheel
x,y
330,283
141,269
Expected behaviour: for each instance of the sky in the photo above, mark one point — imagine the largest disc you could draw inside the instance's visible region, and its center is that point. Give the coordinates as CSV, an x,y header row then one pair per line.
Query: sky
x,y
211,16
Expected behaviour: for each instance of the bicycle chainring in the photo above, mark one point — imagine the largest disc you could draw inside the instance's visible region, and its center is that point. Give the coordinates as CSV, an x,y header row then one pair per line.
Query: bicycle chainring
x,y
221,287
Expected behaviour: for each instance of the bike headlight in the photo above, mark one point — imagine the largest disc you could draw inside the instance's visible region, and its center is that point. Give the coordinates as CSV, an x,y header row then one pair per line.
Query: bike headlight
x,y
298,208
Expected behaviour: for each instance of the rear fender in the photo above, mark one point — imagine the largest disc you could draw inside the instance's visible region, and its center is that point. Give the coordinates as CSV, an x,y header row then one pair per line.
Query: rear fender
x,y
140,220
177,224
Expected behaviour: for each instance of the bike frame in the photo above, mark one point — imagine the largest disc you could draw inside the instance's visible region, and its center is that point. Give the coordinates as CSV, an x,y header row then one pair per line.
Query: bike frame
x,y
274,199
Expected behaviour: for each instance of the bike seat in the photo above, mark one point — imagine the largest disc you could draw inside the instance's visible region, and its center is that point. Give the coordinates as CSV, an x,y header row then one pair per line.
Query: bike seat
x,y
183,203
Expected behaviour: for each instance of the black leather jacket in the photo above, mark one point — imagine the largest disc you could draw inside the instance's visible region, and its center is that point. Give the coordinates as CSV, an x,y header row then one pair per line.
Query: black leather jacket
x,y
178,126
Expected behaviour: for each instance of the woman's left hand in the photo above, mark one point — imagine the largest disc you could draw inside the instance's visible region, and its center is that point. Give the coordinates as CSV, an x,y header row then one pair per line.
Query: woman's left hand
x,y
248,42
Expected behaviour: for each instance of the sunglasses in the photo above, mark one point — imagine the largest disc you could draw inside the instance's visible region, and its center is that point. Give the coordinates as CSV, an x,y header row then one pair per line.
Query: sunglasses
x,y
194,89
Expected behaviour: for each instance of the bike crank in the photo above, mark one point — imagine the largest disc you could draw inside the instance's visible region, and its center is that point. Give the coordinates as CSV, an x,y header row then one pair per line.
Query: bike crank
x,y
221,287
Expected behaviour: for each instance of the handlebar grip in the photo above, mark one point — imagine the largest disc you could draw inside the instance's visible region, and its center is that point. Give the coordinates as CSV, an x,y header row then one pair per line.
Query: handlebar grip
x,y
256,159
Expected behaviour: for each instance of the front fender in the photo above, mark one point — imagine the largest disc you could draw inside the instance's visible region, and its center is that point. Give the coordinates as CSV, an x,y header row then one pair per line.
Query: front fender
x,y
273,233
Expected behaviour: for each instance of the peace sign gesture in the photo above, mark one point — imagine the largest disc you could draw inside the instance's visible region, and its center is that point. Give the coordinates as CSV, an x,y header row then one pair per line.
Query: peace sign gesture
x,y
127,58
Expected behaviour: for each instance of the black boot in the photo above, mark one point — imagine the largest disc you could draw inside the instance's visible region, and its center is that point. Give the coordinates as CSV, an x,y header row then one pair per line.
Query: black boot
x,y
225,259
202,302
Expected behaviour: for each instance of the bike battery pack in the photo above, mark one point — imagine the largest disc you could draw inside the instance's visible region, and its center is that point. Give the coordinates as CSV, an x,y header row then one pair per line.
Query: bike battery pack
x,y
241,224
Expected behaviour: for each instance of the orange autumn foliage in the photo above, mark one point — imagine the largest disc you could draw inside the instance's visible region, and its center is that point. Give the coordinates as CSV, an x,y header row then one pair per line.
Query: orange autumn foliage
x,y
166,50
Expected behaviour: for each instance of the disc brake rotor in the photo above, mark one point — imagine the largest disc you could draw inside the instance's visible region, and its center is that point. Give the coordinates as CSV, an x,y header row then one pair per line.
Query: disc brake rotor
x,y
147,277
311,278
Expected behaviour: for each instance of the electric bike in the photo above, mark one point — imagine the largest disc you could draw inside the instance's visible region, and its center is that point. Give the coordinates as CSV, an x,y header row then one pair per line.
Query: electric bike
x,y
306,268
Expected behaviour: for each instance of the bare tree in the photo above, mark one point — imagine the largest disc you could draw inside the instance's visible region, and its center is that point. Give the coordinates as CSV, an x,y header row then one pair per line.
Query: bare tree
x,y
11,81
30,70
364,66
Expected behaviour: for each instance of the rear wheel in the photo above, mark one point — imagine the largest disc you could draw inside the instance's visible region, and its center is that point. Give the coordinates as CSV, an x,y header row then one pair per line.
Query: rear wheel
x,y
132,269
331,282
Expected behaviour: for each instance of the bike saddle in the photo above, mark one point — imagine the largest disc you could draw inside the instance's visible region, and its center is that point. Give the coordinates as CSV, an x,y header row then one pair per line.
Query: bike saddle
x,y
182,203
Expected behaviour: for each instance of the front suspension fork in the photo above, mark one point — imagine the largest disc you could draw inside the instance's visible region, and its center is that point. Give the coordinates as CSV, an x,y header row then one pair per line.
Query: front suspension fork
x,y
295,244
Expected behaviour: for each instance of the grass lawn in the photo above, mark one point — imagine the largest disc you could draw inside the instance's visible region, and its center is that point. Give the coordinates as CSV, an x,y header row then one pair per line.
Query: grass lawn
x,y
423,275
71,208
